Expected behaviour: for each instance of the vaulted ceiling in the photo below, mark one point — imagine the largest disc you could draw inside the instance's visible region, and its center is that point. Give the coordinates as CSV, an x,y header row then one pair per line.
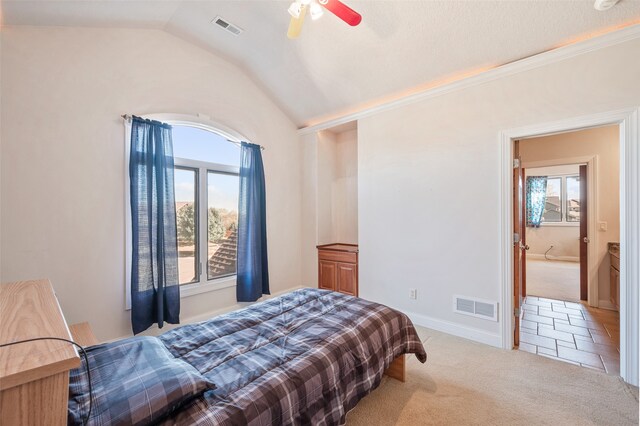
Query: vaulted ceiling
x,y
334,68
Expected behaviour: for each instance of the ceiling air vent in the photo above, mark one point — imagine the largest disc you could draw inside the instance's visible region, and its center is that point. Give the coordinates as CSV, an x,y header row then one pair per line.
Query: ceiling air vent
x,y
221,22
476,307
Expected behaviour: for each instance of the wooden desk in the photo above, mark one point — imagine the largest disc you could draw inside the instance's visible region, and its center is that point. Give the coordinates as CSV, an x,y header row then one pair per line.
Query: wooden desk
x,y
34,376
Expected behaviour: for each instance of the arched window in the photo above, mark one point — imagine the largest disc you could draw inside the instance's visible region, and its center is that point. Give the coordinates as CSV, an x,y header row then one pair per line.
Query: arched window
x,y
207,163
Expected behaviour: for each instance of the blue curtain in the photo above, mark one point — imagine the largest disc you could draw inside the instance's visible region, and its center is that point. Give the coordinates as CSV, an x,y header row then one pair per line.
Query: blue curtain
x,y
155,293
536,199
253,271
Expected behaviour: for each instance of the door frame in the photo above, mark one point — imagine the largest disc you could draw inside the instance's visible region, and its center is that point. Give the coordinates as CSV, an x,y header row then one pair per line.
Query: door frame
x,y
592,197
628,122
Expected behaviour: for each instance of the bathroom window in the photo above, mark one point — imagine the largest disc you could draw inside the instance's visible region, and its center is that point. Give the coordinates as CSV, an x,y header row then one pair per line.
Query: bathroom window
x,y
553,202
562,204
572,210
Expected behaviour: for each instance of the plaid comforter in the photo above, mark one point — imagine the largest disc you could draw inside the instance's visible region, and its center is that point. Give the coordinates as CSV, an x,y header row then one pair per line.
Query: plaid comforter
x,y
306,357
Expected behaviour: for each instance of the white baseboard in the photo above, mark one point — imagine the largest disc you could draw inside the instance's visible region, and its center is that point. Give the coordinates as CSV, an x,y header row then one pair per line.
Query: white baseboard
x,y
606,304
564,258
477,335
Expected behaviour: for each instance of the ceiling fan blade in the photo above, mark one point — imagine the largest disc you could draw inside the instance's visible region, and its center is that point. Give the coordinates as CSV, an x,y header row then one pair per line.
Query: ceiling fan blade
x,y
342,11
295,25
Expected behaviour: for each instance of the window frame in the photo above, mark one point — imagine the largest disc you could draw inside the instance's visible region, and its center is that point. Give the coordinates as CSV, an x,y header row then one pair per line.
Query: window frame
x,y
561,197
196,225
199,121
206,221
563,201
566,201
204,284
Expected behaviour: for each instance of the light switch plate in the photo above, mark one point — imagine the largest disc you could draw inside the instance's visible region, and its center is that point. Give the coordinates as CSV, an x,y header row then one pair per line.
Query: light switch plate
x,y
602,226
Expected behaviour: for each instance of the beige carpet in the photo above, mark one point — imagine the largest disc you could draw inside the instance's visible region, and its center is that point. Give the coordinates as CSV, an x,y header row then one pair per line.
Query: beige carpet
x,y
467,383
553,279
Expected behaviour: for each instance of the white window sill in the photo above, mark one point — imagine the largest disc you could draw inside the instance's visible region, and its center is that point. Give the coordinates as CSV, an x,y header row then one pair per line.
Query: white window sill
x,y
187,290
213,285
569,224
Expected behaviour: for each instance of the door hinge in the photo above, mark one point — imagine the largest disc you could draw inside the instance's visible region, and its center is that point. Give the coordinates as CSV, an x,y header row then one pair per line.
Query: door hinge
x,y
516,238
516,163
516,312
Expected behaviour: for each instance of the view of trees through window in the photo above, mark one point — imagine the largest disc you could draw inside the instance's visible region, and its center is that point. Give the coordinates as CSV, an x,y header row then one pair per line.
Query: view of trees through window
x,y
186,224
205,175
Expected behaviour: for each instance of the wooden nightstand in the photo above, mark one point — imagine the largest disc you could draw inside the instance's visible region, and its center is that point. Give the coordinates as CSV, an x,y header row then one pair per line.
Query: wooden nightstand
x,y
338,268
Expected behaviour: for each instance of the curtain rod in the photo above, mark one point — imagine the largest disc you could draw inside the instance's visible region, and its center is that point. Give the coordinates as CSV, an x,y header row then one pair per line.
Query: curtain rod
x,y
128,118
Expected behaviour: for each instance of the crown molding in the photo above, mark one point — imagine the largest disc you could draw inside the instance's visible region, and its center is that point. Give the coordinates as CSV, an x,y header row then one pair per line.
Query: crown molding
x,y
612,38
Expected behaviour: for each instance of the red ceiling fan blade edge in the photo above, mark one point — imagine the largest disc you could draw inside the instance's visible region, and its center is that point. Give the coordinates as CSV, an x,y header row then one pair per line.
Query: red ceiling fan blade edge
x,y
342,11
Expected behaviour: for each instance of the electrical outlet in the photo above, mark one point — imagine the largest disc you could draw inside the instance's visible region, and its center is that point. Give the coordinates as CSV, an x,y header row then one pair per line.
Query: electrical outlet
x,y
413,293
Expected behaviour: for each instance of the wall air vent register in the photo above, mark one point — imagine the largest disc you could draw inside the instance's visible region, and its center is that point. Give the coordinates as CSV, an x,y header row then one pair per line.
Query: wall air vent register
x,y
475,307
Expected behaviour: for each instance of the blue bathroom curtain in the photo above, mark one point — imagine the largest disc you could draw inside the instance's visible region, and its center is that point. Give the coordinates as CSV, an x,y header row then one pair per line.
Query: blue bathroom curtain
x,y
253,270
536,199
155,293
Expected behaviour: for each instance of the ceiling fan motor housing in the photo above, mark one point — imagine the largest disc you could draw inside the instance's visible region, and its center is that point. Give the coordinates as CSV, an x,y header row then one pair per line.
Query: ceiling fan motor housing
x,y
605,4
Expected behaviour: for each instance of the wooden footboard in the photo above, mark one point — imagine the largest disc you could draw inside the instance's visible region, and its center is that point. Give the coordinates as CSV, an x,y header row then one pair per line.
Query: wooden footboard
x,y
397,368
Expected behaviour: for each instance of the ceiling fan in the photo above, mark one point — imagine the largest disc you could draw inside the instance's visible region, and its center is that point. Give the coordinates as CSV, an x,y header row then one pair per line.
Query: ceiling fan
x,y
298,10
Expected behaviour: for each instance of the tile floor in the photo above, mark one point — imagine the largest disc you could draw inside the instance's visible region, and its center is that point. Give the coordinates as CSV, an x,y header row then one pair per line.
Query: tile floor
x,y
571,332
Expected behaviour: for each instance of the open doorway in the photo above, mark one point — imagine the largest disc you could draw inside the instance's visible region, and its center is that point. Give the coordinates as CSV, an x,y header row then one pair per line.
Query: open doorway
x,y
553,227
567,209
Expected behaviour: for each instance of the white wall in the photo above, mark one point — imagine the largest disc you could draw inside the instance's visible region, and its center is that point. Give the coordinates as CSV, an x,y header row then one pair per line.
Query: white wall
x,y
345,189
604,144
1,34
327,171
429,181
564,237
310,189
62,214
337,194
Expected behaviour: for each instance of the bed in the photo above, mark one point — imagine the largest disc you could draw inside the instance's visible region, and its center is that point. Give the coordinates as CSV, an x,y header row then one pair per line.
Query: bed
x,y
306,357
